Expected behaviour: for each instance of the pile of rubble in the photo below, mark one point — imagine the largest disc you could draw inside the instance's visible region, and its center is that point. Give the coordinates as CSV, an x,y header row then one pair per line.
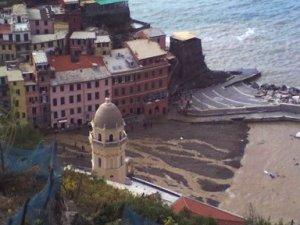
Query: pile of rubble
x,y
278,94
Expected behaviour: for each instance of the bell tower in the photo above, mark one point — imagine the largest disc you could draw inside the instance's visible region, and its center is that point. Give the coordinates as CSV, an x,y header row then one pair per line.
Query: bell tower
x,y
108,141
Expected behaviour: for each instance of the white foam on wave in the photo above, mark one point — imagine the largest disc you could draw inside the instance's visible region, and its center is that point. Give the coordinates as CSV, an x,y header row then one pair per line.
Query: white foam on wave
x,y
250,32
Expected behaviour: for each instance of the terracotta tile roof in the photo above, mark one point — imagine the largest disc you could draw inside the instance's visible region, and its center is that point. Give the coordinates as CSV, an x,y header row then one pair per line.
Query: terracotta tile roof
x,y
202,209
5,29
63,63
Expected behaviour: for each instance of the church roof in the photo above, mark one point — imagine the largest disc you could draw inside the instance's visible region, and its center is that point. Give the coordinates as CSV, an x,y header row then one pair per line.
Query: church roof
x,y
108,116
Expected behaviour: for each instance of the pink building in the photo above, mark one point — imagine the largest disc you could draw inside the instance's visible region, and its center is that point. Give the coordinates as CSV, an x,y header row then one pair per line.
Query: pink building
x,y
76,94
41,21
140,78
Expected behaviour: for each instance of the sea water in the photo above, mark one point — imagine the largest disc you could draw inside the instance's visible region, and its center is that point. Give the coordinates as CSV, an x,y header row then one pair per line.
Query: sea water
x,y
235,33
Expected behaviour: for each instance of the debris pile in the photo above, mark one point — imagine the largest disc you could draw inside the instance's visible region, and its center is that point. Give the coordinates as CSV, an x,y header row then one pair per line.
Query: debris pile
x,y
279,94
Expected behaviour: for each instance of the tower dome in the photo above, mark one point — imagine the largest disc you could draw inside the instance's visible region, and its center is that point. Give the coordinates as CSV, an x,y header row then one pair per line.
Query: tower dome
x,y
108,116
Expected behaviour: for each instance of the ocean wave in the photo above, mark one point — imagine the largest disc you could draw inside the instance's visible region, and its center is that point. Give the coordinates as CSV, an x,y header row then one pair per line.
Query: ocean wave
x,y
250,32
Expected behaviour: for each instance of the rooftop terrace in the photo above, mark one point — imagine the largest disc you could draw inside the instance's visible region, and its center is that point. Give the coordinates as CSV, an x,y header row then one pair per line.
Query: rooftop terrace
x,y
120,60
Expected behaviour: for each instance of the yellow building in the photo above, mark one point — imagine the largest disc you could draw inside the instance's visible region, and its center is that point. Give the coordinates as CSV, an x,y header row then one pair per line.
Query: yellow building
x,y
7,52
17,93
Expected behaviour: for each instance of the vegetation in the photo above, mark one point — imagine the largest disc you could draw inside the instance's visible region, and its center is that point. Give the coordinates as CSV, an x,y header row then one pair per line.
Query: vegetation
x,y
255,219
102,204
27,137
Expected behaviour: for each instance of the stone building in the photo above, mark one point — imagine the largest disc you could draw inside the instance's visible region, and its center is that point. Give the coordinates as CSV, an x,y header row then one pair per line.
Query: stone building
x,y
108,140
188,50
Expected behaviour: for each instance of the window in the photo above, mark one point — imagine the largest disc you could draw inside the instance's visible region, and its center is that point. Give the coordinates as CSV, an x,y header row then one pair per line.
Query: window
x,y
3,47
89,96
46,31
90,108
37,22
25,37
53,89
18,91
55,115
121,160
138,88
37,31
160,83
62,100
116,92
123,101
63,113
131,90
88,84
96,106
106,93
146,75
96,83
99,162
45,22
146,86
18,38
153,85
97,95
153,73
71,99
123,91
160,71
54,101
71,111
111,138
78,110
71,87
106,82
78,98
78,86
62,88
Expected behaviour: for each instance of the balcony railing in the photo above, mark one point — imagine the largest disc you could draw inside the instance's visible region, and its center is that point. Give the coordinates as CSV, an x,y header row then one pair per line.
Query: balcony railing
x,y
110,143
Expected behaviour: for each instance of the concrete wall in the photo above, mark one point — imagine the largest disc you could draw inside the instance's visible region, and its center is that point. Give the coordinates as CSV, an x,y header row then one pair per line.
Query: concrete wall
x,y
288,108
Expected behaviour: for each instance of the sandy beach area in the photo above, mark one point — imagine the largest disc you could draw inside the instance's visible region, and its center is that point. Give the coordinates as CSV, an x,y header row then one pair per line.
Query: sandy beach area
x,y
271,148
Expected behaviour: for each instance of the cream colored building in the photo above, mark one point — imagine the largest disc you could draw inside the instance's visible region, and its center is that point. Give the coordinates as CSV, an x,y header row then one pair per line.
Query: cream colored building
x,y
108,140
103,45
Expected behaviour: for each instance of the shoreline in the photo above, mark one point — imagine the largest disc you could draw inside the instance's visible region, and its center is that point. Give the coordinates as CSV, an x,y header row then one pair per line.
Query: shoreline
x,y
271,148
